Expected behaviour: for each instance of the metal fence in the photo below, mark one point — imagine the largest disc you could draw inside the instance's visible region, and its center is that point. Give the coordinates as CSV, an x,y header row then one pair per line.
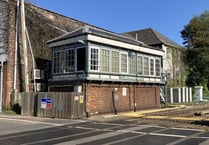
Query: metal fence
x,y
52,104
179,95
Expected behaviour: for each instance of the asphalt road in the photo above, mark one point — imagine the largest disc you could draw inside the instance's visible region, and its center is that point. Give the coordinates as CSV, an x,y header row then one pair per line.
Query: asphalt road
x,y
15,130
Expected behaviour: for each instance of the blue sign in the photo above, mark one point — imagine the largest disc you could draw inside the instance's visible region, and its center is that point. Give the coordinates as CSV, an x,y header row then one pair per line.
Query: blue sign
x,y
46,103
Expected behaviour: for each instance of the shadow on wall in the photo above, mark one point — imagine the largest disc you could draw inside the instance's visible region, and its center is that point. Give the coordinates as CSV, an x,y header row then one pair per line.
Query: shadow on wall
x,y
16,108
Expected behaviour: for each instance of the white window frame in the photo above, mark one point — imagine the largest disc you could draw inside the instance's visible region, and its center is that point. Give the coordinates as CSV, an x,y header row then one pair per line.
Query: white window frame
x,y
101,61
90,59
159,67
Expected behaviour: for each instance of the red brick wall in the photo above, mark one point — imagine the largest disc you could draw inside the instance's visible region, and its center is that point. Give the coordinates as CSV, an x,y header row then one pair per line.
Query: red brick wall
x,y
4,87
100,98
58,20
8,69
147,97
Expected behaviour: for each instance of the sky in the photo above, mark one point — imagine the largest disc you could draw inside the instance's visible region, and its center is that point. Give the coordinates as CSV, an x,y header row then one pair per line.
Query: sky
x,y
165,16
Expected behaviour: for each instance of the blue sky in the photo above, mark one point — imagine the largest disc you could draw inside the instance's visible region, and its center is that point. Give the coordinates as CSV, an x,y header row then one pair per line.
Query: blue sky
x,y
166,16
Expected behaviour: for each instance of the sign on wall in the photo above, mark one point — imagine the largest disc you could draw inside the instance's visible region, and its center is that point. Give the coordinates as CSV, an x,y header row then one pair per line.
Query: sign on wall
x,y
81,99
124,92
46,103
76,98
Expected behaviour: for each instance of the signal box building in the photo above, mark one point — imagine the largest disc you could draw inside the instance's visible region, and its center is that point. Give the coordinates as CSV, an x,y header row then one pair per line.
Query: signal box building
x,y
115,72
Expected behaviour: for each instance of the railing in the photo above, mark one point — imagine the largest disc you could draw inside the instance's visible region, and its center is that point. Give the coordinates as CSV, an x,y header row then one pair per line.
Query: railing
x,y
179,95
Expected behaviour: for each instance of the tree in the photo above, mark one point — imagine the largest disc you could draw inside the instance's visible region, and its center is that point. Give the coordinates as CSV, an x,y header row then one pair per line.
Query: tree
x,y
196,40
196,33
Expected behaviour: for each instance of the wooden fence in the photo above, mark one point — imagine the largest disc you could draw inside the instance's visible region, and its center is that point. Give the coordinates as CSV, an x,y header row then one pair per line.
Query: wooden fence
x,y
52,104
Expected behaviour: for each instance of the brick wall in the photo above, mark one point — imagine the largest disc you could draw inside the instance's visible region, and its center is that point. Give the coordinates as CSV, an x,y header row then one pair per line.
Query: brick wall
x,y
9,65
58,20
44,25
50,22
100,98
147,97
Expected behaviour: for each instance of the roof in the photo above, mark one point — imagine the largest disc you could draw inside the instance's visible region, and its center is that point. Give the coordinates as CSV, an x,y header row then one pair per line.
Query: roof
x,y
151,37
98,32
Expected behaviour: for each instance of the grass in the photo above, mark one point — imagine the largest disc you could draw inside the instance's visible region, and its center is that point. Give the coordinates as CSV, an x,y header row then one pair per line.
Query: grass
x,y
9,112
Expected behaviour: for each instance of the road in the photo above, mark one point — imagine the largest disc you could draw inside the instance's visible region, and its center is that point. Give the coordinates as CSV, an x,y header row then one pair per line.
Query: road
x,y
17,130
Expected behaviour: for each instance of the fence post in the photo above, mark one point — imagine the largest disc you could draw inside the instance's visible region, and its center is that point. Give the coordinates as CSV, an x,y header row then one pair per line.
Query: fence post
x,y
190,94
179,95
171,95
183,94
35,107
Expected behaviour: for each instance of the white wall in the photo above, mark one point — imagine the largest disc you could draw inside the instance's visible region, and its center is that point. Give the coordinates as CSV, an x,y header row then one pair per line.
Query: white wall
x,y
167,61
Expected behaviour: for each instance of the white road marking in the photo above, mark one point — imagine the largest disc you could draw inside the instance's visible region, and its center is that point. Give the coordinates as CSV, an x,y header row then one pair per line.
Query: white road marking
x,y
189,129
30,121
111,132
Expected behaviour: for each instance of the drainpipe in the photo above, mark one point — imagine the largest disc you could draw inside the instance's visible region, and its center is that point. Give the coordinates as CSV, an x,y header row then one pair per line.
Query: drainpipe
x,y
113,101
134,98
2,77
16,45
33,60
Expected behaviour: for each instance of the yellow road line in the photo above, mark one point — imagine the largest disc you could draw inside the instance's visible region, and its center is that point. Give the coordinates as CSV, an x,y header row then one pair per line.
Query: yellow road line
x,y
176,118
145,114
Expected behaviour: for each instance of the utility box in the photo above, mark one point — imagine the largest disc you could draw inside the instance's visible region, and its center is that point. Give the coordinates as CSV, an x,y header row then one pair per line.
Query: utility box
x,y
198,93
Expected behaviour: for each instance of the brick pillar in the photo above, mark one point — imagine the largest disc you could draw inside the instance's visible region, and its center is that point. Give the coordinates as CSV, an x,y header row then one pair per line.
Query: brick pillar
x,y
10,52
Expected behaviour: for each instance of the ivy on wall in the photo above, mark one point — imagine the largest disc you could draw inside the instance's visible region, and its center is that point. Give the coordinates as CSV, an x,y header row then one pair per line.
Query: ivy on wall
x,y
40,32
178,68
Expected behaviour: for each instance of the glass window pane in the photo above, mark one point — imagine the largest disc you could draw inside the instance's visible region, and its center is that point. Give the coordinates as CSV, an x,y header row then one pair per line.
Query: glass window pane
x,y
58,62
146,66
140,65
105,60
151,66
157,67
132,64
124,63
115,61
81,59
70,60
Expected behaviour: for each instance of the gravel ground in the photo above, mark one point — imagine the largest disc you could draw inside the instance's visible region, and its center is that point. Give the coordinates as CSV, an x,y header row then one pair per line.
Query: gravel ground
x,y
198,110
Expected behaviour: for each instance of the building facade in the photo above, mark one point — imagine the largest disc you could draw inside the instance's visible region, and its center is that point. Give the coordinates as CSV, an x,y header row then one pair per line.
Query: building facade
x,y
124,75
173,66
116,73
42,25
